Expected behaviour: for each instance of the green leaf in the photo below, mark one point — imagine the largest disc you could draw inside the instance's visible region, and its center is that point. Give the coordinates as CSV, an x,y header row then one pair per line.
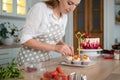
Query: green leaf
x,y
10,72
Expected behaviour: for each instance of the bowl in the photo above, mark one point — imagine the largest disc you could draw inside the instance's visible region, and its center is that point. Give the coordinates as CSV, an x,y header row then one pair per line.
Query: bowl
x,y
32,66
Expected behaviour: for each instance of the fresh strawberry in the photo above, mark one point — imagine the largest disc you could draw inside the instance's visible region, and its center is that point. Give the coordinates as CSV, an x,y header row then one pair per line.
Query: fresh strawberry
x,y
85,35
58,69
61,74
47,75
57,77
54,73
64,77
43,78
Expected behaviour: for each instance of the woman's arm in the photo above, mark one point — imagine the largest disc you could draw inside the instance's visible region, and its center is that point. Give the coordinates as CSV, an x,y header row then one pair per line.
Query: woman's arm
x,y
32,43
60,42
61,48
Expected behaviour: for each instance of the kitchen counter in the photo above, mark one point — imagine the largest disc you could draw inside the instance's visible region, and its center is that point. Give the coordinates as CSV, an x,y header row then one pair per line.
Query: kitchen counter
x,y
101,70
9,46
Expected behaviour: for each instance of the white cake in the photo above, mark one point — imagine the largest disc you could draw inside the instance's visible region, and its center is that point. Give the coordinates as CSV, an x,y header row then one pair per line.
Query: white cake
x,y
73,59
85,60
90,43
69,59
76,59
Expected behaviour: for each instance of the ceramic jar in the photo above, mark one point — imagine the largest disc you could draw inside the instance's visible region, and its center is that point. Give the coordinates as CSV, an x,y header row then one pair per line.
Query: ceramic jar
x,y
117,54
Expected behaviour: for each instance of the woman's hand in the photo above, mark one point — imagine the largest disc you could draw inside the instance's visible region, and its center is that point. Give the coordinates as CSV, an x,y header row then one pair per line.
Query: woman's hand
x,y
72,50
64,49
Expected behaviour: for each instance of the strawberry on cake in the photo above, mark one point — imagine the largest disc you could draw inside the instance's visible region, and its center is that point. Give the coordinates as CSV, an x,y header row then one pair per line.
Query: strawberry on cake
x,y
90,43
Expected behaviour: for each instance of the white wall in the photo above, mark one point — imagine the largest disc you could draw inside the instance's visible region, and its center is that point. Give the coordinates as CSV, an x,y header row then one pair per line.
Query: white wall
x,y
111,30
109,27
69,30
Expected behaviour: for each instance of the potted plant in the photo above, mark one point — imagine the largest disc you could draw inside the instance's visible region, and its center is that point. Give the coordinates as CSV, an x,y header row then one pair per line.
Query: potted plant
x,y
7,32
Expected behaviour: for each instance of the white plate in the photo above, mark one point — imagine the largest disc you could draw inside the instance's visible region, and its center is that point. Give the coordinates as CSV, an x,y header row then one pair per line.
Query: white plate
x,y
79,65
91,49
91,52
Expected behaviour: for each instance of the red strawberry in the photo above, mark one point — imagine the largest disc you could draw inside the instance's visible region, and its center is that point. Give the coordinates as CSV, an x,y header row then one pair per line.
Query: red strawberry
x,y
48,75
57,77
64,77
43,78
54,73
59,70
86,35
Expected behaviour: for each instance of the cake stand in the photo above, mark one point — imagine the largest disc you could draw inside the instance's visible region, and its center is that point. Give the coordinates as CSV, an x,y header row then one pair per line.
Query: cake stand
x,y
91,52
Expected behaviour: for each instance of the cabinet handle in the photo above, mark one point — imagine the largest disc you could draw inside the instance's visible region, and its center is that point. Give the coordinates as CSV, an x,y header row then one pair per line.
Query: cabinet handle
x,y
4,53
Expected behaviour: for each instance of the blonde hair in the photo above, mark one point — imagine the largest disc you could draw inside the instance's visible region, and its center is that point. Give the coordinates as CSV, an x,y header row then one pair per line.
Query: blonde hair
x,y
52,3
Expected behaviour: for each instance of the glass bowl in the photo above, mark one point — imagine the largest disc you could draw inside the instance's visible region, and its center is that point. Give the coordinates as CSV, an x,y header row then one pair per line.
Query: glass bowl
x,y
32,66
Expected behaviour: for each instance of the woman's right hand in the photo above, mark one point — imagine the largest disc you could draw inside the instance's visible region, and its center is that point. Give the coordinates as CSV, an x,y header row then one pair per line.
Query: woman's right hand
x,y
64,49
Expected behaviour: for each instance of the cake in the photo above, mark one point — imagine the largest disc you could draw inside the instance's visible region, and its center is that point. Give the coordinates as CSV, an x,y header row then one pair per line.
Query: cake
x,y
85,60
82,60
76,59
73,59
69,59
90,43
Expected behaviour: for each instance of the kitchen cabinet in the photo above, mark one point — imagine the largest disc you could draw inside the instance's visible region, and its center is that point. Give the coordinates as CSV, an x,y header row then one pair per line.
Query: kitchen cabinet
x,y
0,7
117,11
14,8
7,55
88,18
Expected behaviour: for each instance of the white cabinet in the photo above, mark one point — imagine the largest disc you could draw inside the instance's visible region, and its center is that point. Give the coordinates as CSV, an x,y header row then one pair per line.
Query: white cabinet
x,y
7,55
14,8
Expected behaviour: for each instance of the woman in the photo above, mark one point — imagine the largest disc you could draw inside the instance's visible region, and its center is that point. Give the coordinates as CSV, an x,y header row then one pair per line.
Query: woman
x,y
44,30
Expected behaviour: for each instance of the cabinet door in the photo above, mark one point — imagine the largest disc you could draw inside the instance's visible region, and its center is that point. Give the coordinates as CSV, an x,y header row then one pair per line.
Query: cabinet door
x,y
0,7
96,19
88,18
117,12
80,20
81,17
7,55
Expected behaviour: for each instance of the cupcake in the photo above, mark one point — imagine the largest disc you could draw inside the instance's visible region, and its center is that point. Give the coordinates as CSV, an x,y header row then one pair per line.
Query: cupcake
x,y
69,59
76,59
85,60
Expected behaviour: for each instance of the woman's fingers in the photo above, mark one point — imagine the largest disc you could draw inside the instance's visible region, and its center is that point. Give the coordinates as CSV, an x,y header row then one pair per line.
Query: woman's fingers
x,y
72,50
62,49
65,49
